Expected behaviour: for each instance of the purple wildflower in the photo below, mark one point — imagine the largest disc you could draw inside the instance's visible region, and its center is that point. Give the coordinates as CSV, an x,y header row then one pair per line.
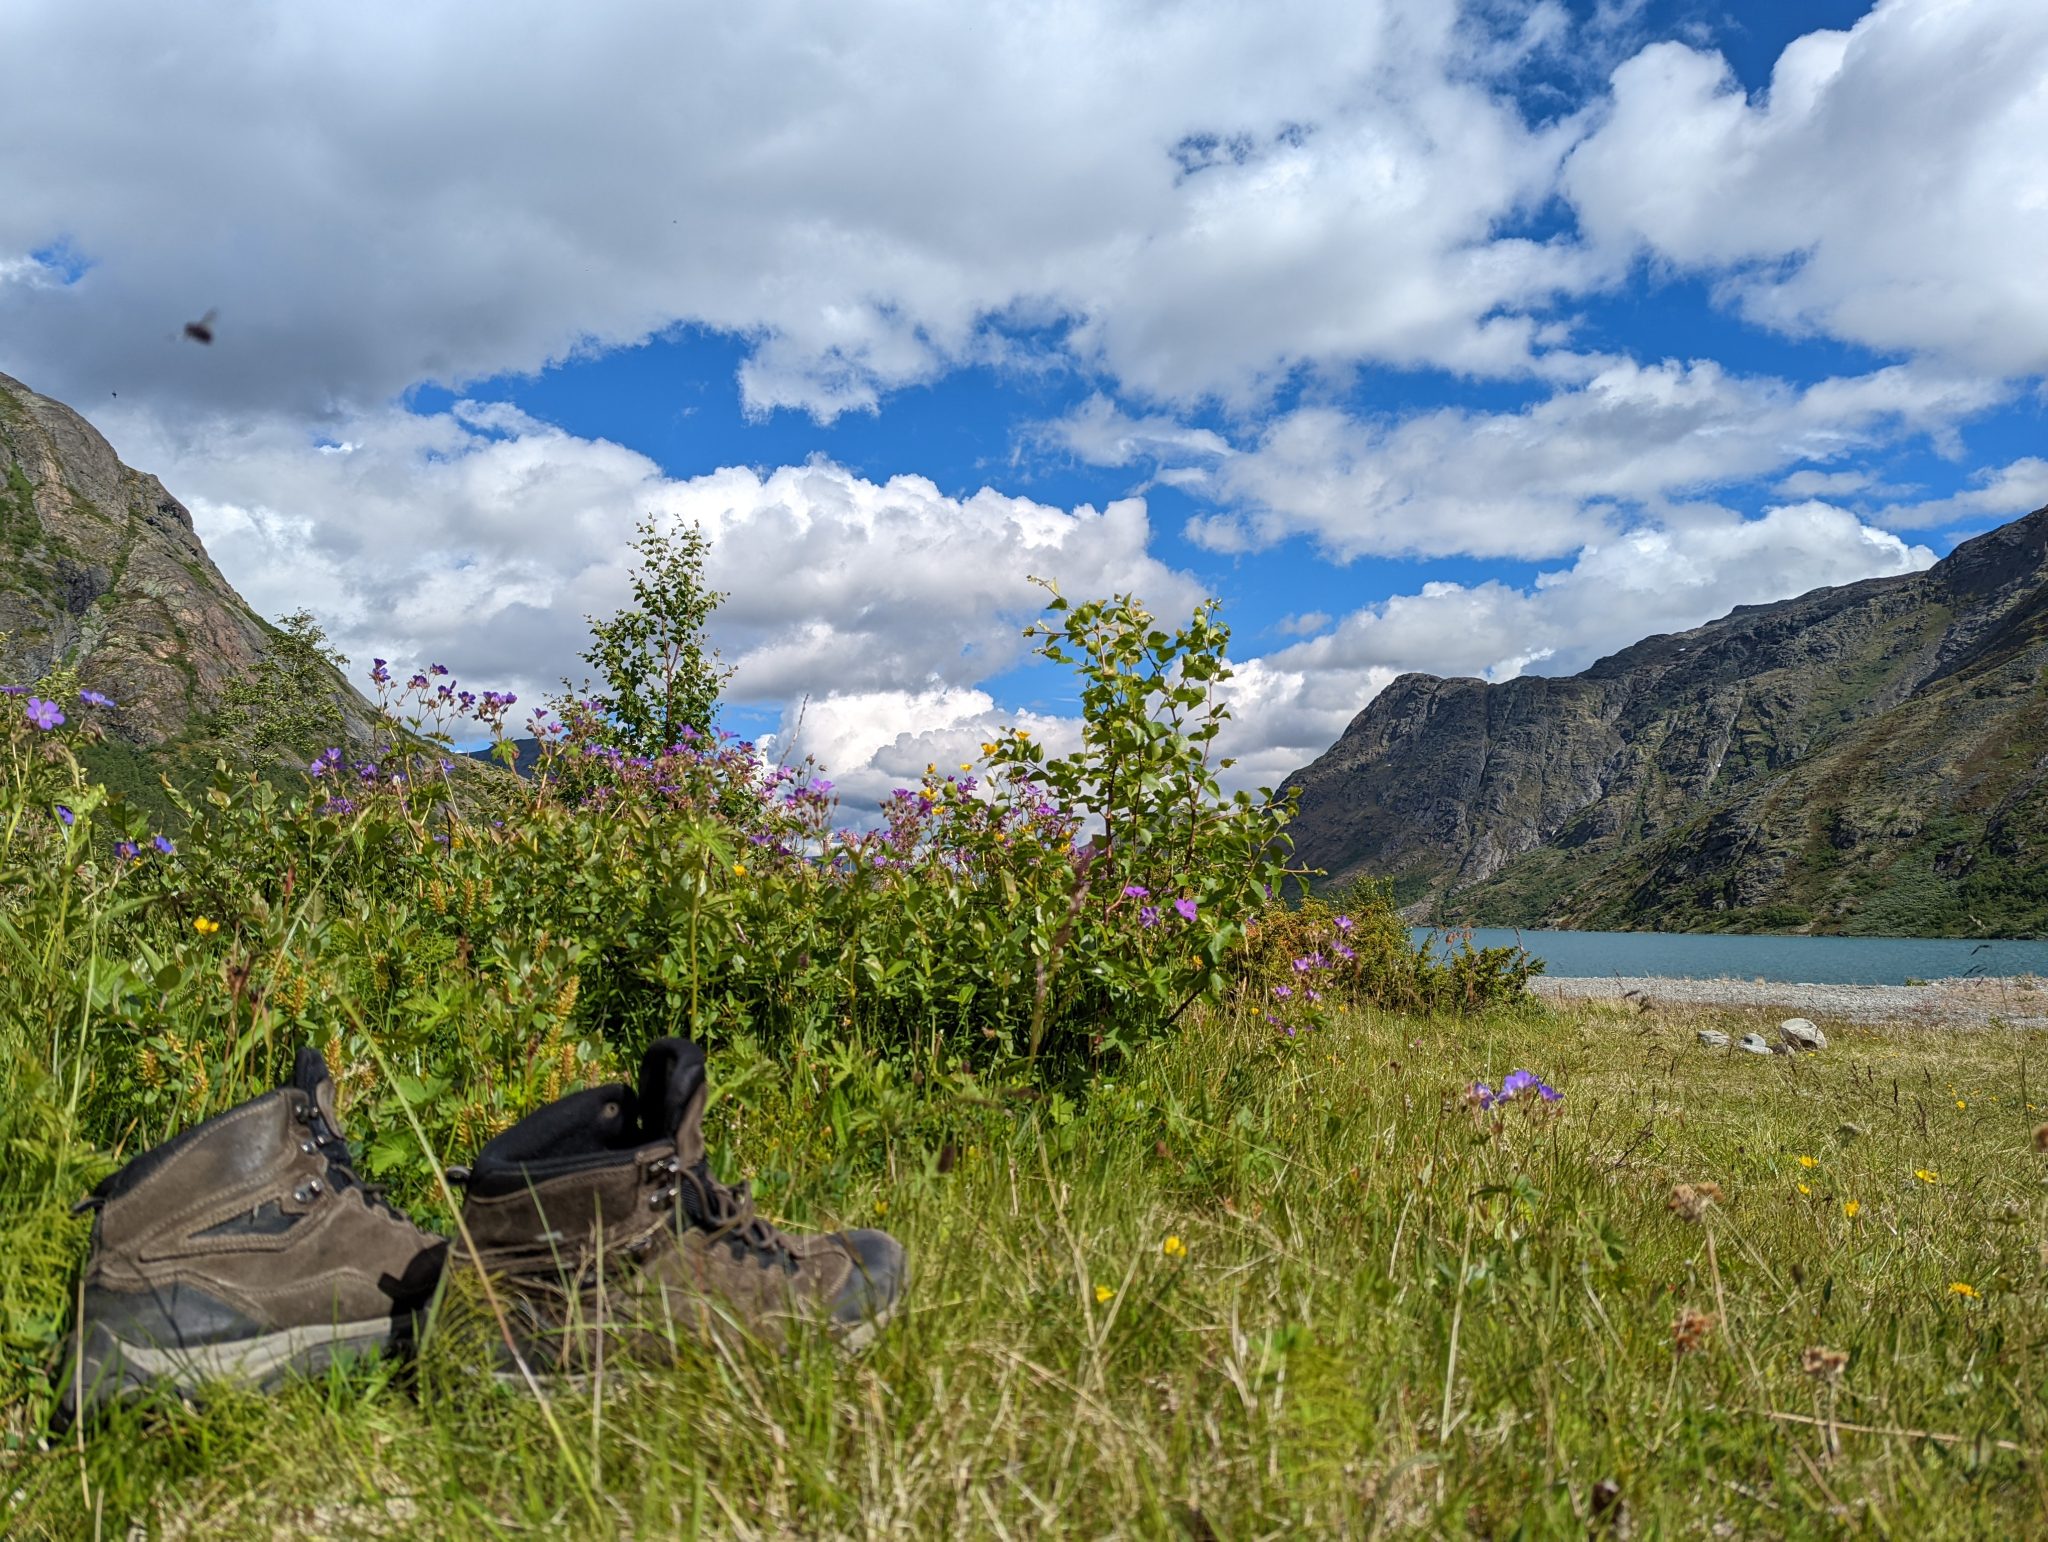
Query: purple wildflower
x,y
380,674
1517,1082
1185,909
13,690
1136,891
43,714
95,699
163,845
1344,953
65,817
1148,915
126,851
1343,923
1282,992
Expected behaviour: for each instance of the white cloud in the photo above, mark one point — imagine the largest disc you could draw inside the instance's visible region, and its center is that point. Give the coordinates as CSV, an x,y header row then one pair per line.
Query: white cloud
x,y
1550,478
481,538
1889,187
1207,195
2001,493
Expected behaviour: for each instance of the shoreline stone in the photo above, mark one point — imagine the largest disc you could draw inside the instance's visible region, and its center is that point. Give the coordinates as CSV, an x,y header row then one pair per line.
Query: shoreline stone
x,y
2019,1001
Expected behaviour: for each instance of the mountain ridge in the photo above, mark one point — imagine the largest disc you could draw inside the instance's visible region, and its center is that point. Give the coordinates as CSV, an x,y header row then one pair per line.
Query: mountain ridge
x,y
1651,788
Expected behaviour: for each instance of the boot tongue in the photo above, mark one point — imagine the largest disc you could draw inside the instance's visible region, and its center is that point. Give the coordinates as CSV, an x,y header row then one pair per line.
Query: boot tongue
x,y
671,1100
309,1075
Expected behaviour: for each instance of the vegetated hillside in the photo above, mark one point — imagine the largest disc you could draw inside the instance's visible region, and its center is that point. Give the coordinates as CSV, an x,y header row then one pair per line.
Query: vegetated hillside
x,y
1864,759
102,575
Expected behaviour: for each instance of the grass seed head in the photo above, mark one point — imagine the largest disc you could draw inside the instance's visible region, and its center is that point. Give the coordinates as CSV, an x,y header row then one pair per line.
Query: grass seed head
x,y
1692,1201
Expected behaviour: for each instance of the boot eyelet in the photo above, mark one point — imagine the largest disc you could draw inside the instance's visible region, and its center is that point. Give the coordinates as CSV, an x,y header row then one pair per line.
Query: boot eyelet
x,y
307,1147
307,1192
662,1199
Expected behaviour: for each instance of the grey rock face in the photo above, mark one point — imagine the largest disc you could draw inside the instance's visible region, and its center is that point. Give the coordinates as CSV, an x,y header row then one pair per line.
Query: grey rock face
x,y
1713,1038
101,572
1768,769
1753,1043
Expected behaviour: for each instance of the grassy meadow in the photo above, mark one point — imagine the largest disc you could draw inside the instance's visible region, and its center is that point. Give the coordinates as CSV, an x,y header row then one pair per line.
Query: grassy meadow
x,y
1264,1285
1212,1233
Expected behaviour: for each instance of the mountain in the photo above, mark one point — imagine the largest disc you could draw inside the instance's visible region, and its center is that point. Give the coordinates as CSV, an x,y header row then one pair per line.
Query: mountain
x,y
1865,759
102,577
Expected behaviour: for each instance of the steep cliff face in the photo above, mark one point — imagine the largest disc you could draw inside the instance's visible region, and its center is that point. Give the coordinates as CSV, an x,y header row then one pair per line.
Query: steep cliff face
x,y
1866,758
101,574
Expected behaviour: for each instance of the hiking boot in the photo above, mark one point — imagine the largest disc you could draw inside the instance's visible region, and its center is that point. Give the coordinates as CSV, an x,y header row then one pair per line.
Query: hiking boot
x,y
243,1250
598,1213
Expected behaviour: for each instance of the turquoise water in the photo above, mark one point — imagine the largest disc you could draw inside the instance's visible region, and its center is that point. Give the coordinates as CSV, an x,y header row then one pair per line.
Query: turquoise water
x,y
1812,960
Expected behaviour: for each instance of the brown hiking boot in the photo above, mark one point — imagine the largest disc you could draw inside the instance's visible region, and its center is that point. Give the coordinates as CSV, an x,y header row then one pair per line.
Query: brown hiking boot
x,y
242,1250
599,1212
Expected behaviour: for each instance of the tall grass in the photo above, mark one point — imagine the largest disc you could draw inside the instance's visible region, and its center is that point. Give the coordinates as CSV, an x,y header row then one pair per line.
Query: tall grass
x,y
1384,1311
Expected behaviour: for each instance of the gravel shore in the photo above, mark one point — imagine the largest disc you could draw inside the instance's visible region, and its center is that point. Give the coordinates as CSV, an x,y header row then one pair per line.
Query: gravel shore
x,y
2019,1002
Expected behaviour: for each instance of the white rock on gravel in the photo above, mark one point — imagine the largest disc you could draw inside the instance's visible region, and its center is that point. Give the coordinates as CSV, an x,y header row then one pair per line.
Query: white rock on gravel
x,y
1754,1043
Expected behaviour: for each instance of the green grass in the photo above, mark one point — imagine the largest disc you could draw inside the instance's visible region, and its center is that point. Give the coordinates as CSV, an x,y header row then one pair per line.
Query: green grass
x,y
1393,1314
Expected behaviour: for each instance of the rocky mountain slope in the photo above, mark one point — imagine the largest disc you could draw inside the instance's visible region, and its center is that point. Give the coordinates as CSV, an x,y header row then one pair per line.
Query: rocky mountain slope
x,y
1871,758
102,576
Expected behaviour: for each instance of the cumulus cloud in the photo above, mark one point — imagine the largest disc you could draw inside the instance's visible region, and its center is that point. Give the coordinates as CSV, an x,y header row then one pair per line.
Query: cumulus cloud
x,y
1561,473
2000,492
482,537
1196,198
1888,188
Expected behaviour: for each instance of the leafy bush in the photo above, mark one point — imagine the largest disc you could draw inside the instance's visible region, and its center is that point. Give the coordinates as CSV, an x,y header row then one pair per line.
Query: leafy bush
x,y
1354,951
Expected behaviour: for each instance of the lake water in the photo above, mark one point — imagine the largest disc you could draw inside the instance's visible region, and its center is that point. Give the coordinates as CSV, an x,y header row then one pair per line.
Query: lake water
x,y
1810,960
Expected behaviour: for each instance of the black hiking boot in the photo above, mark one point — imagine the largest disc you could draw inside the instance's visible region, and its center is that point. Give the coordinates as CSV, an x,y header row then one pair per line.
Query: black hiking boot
x,y
598,1214
241,1251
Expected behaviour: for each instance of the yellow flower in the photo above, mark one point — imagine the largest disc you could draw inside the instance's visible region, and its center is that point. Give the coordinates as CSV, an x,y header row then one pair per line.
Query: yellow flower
x,y
988,749
966,766
1806,1188
1104,1295
1807,1161
205,927
1850,1207
739,869
1961,1104
881,1207
1173,1247
1927,1175
1960,1289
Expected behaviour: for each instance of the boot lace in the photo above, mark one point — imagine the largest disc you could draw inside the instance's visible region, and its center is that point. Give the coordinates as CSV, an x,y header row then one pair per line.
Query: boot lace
x,y
341,1167
727,1211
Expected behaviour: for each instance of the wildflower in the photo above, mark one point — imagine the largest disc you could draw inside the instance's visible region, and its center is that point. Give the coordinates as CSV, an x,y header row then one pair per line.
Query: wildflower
x,y
1807,1161
1822,1363
13,690
1173,1247
1959,1288
1304,965
1344,953
44,714
1927,1175
1148,915
1692,1201
1961,1104
1852,1208
1136,891
739,869
1344,923
379,674
94,699
881,1207
65,817
1689,1330
1806,1188
205,926
163,845
1185,909
1104,1295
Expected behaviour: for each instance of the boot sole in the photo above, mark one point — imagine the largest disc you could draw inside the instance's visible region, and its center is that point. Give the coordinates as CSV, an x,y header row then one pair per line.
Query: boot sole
x,y
110,1369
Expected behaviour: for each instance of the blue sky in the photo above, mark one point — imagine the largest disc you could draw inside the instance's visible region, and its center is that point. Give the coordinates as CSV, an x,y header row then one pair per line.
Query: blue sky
x,y
1470,341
